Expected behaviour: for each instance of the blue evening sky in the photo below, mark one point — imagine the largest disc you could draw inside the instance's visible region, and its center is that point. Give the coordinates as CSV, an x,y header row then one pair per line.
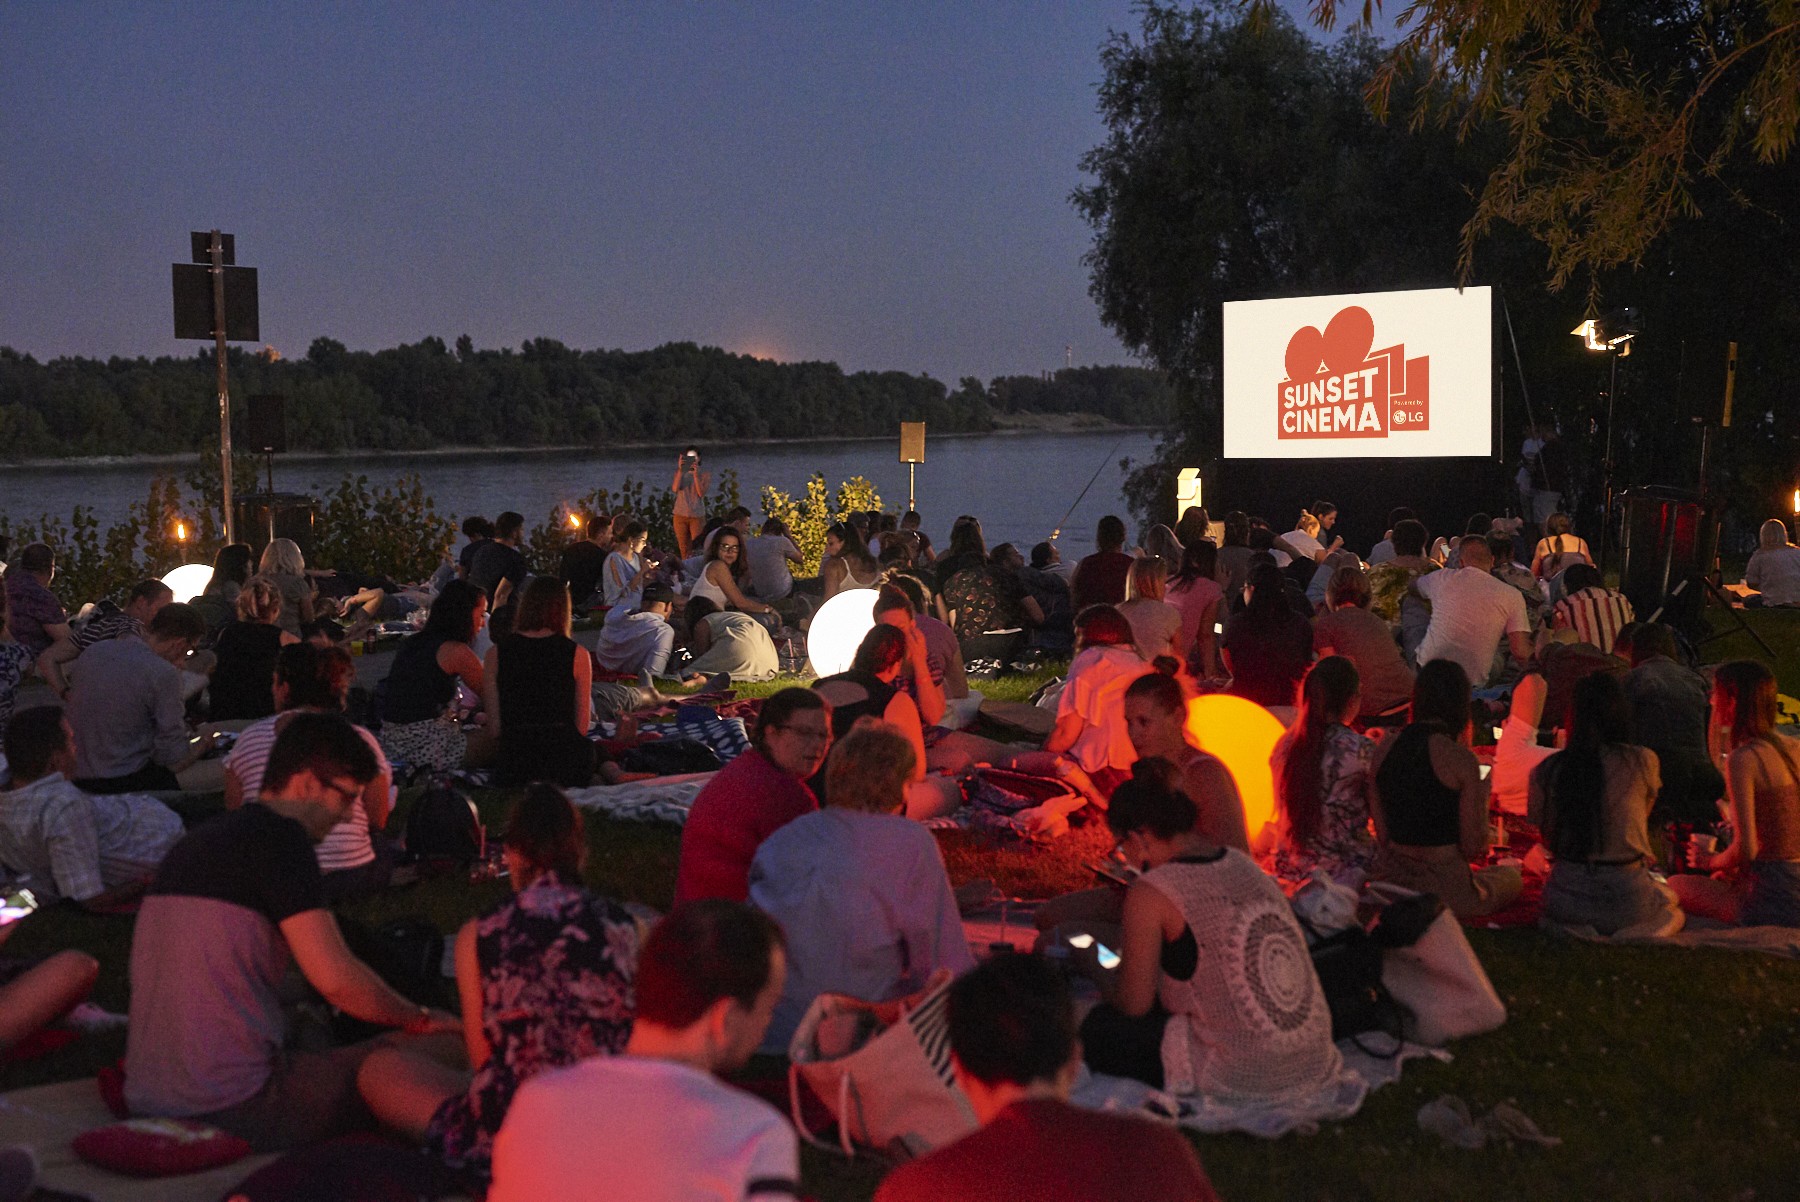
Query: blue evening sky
x,y
885,185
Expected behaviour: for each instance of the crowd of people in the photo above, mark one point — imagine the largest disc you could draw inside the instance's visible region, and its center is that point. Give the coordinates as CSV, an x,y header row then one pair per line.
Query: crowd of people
x,y
593,1041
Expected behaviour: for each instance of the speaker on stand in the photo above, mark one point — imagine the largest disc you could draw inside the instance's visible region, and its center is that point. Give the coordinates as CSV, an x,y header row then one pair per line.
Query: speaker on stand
x,y
267,436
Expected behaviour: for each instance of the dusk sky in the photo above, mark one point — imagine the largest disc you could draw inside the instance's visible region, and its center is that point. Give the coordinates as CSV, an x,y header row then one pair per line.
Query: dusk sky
x,y
883,185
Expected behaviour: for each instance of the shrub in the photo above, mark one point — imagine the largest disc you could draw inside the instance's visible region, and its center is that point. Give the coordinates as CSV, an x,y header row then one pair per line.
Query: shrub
x,y
812,515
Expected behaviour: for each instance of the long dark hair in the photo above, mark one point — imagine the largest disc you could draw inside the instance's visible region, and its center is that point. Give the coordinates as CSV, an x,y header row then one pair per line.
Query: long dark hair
x,y
1199,561
1599,715
740,566
230,566
1751,686
1268,593
546,829
1441,696
453,611
1329,687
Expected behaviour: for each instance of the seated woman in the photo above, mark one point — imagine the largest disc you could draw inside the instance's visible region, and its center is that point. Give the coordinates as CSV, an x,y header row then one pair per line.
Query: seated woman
x,y
987,606
309,679
418,723
871,689
1592,802
1090,716
860,891
1774,567
1756,879
231,571
1267,647
285,568
545,981
1214,992
1156,720
626,571
245,651
1155,623
1194,592
1431,811
726,642
1559,548
847,563
1347,628
725,576
1323,781
537,689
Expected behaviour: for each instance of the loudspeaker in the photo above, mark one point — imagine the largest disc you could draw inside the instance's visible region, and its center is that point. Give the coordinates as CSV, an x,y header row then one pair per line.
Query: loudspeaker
x,y
194,302
912,442
266,429
1669,536
293,513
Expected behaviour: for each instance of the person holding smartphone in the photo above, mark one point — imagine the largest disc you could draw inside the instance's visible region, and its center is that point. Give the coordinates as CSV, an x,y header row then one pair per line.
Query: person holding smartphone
x,y
689,486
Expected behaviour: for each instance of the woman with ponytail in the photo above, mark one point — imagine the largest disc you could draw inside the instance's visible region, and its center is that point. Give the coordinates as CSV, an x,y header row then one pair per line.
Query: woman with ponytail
x,y
1431,811
1323,781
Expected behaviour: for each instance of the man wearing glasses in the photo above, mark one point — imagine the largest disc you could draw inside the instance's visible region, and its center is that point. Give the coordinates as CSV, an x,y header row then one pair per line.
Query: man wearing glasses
x,y
233,903
754,796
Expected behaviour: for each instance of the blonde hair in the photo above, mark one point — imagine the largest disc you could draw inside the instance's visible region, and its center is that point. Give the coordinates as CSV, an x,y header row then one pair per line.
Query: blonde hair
x,y
282,556
869,767
1307,524
1149,577
259,600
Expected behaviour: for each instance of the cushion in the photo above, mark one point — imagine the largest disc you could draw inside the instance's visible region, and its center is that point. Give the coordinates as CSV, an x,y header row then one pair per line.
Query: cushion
x,y
159,1147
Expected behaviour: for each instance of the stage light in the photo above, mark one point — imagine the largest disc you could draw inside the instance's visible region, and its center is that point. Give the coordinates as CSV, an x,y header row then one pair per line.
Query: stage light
x,y
1242,734
1611,332
837,630
189,580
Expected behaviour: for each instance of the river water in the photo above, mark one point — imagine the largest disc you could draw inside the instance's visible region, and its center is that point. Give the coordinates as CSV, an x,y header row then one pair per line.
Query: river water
x,y
1019,484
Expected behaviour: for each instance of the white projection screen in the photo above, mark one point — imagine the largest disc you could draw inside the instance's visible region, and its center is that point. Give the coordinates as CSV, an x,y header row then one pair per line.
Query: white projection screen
x,y
1374,375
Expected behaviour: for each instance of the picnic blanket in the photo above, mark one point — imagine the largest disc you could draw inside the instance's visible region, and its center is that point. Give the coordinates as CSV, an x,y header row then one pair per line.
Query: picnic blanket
x,y
47,1118
1699,932
664,799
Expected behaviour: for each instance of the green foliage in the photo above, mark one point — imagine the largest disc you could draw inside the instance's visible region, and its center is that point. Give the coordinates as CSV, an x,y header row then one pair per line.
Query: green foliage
x,y
92,567
653,506
809,517
394,530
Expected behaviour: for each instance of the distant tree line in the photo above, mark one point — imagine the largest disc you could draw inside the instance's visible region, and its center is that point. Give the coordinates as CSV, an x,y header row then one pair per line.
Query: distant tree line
x,y
427,395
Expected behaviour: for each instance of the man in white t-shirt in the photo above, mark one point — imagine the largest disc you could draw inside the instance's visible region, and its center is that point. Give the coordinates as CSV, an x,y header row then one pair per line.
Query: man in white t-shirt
x,y
656,1123
770,554
1471,612
639,640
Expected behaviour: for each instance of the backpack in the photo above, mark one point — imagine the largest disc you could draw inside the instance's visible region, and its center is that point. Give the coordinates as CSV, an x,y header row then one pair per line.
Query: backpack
x,y
1349,967
444,829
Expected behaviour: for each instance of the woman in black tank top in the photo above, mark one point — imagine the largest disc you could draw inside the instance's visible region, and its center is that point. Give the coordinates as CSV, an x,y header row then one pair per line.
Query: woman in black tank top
x,y
871,689
1431,807
539,689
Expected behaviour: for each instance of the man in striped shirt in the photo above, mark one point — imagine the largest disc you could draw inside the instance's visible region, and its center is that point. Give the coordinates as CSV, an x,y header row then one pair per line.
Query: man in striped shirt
x,y
1594,612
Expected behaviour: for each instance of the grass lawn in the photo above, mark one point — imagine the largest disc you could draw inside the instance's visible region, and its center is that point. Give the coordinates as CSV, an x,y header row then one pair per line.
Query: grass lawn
x,y
1668,1073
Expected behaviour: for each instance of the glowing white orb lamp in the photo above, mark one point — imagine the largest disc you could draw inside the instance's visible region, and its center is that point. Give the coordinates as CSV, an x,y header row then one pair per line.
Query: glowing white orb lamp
x,y
189,580
837,630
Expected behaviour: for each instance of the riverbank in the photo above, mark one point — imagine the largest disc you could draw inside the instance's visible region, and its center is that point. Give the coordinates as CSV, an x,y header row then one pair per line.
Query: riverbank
x,y
1005,425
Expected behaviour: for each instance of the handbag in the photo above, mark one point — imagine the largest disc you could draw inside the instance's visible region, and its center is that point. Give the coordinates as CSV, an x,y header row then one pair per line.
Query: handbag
x,y
883,1071
1350,967
1437,977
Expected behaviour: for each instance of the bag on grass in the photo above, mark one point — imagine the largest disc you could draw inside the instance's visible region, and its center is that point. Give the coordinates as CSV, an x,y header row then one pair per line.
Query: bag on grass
x,y
1435,975
670,757
883,1070
443,828
1349,964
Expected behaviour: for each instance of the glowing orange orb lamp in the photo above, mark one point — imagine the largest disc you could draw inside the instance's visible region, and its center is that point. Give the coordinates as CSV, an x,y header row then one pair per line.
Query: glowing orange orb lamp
x,y
1242,734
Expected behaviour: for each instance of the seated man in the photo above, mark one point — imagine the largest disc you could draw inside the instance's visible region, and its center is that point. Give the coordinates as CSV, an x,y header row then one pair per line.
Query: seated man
x,y
34,617
126,708
1671,706
1471,612
1014,1051
147,597
640,641
656,1123
1594,612
583,560
235,903
99,851
753,796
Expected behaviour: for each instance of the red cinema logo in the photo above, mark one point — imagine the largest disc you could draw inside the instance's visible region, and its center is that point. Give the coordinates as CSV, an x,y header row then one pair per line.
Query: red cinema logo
x,y
1335,388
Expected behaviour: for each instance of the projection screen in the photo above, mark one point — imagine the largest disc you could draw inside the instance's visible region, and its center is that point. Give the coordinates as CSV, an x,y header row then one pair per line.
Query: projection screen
x,y
1374,375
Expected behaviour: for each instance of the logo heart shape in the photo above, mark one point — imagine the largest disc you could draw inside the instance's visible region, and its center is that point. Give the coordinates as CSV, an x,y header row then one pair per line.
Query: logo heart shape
x,y
1347,340
1305,351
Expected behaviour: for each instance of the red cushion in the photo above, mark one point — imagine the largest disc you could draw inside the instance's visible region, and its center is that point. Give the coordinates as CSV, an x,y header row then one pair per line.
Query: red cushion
x,y
159,1147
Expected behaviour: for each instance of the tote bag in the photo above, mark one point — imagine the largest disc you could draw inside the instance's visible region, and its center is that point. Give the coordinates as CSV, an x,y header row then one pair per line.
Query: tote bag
x,y
1438,979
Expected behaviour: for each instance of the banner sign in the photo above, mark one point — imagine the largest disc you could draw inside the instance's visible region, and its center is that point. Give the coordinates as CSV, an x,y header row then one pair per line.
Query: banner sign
x,y
1371,375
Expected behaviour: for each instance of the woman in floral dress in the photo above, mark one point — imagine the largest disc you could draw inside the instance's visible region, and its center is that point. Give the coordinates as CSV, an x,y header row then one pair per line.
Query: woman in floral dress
x,y
545,981
1323,782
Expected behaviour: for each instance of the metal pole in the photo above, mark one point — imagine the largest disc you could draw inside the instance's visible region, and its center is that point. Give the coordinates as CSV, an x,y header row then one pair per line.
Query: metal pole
x,y
1612,393
912,500
218,283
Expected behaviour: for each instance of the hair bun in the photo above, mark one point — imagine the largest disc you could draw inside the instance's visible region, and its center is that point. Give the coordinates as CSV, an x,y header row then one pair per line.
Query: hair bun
x,y
1168,665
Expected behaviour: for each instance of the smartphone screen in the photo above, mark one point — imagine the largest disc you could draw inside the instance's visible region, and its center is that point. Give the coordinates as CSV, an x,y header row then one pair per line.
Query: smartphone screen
x,y
15,906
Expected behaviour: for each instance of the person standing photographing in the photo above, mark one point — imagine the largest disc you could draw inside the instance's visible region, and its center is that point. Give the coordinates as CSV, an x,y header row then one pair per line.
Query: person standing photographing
x,y
689,486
